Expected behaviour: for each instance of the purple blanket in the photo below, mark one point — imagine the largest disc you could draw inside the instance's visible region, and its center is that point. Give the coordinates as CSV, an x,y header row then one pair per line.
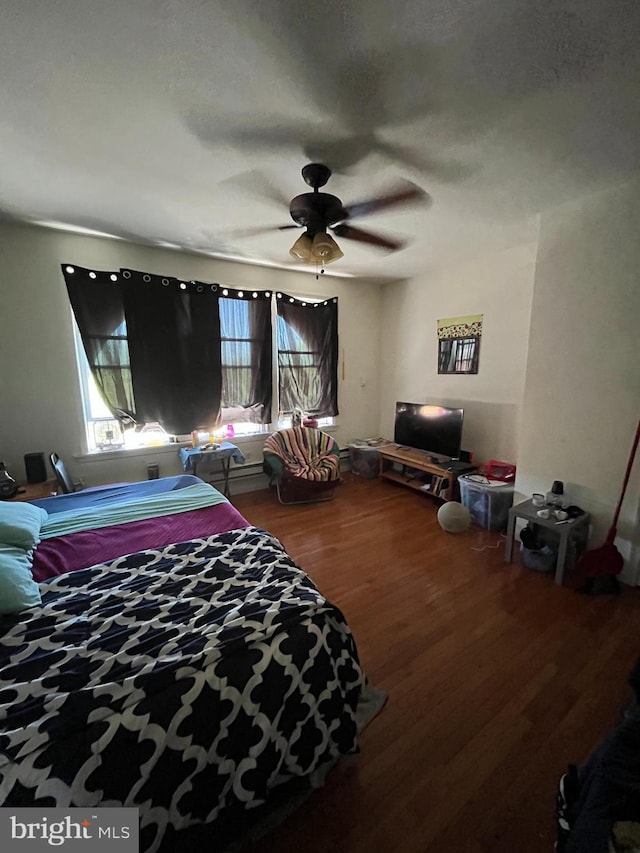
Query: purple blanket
x,y
88,548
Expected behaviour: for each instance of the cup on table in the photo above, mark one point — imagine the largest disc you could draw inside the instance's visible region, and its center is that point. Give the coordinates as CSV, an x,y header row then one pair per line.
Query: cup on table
x,y
561,515
543,513
537,499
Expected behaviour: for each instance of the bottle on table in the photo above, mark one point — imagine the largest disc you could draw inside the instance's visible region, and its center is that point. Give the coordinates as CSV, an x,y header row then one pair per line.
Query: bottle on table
x,y
555,499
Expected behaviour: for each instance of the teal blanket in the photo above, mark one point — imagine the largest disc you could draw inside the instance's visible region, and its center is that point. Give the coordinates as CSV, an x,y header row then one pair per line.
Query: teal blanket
x,y
197,496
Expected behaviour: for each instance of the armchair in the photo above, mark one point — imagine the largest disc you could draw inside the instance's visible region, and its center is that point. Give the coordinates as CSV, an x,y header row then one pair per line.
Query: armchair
x,y
304,464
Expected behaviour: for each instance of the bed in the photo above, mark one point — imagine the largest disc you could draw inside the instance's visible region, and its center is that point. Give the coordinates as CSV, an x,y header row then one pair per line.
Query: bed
x,y
179,662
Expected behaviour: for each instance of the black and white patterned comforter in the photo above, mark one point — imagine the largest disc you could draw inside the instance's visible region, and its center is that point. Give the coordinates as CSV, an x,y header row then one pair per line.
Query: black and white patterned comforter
x,y
187,681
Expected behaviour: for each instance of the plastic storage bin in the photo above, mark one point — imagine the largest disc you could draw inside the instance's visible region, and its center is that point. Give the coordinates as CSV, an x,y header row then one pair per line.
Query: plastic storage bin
x,y
540,559
488,505
364,461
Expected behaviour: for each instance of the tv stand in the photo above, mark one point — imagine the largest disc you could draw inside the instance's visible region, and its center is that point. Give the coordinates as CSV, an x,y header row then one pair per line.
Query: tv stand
x,y
414,469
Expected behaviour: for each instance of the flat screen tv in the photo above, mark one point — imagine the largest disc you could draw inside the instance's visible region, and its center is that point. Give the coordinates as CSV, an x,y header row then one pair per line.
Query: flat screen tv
x,y
435,429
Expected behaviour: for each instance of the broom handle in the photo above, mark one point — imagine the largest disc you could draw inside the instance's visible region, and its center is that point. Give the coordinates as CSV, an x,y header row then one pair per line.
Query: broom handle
x,y
612,532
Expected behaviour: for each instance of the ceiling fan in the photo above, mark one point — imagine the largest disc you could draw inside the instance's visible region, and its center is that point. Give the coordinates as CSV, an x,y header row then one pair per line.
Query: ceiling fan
x,y
319,212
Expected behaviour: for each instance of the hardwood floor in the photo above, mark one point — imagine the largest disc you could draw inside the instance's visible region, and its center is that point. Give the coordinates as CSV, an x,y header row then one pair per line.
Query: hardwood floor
x,y
497,678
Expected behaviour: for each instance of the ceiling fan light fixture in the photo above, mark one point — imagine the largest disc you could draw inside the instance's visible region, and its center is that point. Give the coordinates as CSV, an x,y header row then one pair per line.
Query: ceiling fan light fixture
x,y
325,249
316,212
301,249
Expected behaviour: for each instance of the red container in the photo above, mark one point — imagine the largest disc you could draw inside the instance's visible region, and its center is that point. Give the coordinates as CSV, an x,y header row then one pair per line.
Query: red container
x,y
495,470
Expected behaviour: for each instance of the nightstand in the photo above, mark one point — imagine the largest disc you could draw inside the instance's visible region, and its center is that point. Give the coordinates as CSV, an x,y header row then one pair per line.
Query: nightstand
x,y
573,528
35,491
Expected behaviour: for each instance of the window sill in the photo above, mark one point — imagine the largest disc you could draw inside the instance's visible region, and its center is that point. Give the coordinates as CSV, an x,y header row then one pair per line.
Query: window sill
x,y
174,447
152,450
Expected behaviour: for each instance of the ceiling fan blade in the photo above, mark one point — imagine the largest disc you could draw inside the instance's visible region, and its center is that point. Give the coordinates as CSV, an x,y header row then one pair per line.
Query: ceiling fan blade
x,y
406,193
369,237
216,131
446,171
260,229
257,184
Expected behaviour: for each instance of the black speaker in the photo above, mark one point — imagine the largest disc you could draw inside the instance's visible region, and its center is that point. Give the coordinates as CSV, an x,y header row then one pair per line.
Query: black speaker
x,y
466,456
35,467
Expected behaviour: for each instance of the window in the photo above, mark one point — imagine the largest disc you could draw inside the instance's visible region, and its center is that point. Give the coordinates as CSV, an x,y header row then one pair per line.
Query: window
x,y
103,431
298,366
458,355
205,332
307,339
236,344
459,344
245,343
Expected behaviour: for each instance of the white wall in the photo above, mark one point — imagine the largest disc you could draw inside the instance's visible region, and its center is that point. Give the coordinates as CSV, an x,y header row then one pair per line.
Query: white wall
x,y
500,287
40,397
582,390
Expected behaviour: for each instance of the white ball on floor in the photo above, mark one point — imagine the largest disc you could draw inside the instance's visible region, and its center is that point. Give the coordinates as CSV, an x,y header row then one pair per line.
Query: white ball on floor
x,y
453,517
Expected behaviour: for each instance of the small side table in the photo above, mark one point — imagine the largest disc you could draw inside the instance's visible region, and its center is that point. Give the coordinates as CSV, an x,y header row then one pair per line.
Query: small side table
x,y
192,456
574,528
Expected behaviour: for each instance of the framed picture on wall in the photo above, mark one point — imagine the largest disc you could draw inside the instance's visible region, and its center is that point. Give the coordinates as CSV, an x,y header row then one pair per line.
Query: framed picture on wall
x,y
459,344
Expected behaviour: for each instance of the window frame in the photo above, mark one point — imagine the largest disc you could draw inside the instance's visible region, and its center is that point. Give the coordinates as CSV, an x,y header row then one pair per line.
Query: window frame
x,y
244,430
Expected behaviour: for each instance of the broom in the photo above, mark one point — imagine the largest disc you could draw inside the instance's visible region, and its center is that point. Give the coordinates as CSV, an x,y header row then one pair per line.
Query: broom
x,y
607,560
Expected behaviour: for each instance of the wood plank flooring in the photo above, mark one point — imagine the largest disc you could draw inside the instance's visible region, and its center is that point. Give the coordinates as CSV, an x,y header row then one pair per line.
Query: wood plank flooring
x,y
497,678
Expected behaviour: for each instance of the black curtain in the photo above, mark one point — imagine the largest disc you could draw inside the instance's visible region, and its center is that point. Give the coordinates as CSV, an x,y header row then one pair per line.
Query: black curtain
x,y
96,300
173,328
154,347
261,355
308,355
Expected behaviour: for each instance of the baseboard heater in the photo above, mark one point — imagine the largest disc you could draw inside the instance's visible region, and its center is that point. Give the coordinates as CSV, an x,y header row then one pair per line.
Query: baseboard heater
x,y
254,469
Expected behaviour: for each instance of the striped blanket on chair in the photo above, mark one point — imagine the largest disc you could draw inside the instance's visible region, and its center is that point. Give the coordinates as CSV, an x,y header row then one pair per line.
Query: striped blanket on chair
x,y
306,453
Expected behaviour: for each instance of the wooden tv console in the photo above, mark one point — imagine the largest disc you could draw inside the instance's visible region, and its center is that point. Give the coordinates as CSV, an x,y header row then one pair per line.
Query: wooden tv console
x,y
414,469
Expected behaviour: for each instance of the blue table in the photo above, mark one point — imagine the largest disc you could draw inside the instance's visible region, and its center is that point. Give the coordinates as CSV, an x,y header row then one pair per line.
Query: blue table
x,y
224,453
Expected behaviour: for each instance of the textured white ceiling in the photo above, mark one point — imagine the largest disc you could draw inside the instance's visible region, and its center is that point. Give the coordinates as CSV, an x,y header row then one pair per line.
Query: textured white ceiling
x,y
178,121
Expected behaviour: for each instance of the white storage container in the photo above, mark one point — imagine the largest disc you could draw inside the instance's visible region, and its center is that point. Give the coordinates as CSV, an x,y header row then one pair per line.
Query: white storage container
x,y
488,503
